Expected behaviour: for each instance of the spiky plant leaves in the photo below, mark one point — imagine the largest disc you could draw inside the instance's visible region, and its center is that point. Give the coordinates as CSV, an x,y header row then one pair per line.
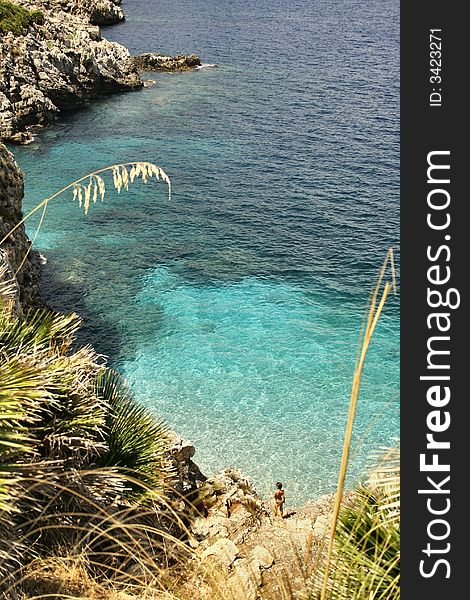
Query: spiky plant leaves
x,y
75,427
23,388
366,559
50,419
69,416
20,392
369,547
137,441
25,385
39,330
8,284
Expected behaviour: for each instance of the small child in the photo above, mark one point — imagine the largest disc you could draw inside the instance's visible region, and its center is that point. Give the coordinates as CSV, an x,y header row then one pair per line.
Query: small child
x,y
279,500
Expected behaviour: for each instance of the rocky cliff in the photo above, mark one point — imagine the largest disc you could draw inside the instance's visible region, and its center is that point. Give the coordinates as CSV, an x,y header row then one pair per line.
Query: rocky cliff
x,y
97,12
152,61
59,62
16,248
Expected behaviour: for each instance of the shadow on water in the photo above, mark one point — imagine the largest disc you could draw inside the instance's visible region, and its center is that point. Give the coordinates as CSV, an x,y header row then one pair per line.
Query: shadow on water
x,y
116,338
118,341
65,297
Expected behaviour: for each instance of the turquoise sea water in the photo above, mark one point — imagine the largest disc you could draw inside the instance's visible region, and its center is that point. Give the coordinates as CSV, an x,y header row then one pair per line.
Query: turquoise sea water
x,y
234,308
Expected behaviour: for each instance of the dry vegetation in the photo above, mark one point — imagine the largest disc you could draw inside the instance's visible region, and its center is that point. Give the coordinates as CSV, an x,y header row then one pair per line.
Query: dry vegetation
x,y
86,504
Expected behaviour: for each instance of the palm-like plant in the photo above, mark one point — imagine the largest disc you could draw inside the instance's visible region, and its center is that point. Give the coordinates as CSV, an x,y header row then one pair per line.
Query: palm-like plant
x,y
62,386
136,441
71,434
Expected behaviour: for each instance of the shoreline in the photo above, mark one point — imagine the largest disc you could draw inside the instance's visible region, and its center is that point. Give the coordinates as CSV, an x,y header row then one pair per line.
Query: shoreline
x,y
60,62
194,64
88,16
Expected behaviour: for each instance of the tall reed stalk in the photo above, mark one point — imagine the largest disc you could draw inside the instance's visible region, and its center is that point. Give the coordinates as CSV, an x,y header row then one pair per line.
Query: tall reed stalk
x,y
92,187
376,303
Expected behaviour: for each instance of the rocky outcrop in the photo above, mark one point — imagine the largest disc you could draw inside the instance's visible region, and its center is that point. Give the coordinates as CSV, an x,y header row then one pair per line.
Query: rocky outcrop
x,y
151,61
187,475
234,508
60,64
251,553
98,12
16,248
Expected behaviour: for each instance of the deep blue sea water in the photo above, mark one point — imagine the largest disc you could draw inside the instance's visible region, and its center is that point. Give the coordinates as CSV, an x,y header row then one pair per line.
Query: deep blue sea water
x,y
234,308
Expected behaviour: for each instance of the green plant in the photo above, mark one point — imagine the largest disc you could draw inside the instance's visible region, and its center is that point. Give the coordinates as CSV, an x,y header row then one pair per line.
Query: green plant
x,y
73,442
16,19
366,557
136,440
377,301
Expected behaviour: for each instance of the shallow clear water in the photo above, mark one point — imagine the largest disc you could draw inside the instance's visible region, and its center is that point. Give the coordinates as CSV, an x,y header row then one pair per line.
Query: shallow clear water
x,y
234,308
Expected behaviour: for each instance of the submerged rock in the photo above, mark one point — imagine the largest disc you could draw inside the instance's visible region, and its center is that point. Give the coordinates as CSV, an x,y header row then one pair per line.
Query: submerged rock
x,y
151,61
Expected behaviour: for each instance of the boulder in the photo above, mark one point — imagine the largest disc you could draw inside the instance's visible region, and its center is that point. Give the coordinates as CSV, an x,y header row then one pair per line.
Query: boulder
x,y
188,477
224,550
152,61
233,508
262,557
322,526
245,581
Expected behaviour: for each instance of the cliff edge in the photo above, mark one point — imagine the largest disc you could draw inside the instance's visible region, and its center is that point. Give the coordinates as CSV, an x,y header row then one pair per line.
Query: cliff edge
x,y
55,60
22,265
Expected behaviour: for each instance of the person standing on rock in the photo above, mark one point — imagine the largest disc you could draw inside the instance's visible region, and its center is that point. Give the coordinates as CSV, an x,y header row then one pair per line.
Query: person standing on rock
x,y
279,500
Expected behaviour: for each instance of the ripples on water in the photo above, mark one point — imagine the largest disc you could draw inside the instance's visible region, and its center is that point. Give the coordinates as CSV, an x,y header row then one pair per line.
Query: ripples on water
x,y
234,308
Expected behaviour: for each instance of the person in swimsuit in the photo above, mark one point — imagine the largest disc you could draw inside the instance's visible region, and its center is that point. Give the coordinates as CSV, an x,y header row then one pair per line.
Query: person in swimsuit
x,y
279,499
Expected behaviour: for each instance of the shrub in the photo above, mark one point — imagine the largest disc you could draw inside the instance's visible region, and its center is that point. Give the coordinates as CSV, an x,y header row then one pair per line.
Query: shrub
x,y
16,19
73,441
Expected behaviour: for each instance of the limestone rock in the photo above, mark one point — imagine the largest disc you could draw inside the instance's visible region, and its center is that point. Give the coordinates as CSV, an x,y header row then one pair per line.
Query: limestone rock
x,y
233,505
245,581
60,64
151,61
17,246
188,476
262,557
322,526
97,12
224,550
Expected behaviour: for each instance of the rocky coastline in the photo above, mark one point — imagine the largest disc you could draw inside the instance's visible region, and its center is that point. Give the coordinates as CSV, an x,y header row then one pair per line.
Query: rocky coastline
x,y
61,64
152,61
57,64
231,524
